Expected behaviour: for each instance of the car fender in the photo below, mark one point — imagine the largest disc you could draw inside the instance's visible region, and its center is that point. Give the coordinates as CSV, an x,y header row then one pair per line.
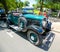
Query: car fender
x,y
35,28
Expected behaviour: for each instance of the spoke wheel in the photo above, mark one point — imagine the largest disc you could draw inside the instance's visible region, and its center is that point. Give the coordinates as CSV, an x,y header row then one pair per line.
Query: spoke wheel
x,y
34,38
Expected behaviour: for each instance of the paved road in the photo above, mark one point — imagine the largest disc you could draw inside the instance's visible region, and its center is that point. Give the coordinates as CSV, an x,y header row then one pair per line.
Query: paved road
x,y
54,19
13,41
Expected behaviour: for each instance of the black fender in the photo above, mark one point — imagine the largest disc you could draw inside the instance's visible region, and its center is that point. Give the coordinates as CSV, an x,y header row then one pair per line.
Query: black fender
x,y
36,29
9,21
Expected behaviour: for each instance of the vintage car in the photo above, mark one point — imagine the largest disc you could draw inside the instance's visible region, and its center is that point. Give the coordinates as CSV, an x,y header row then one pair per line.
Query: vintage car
x,y
2,14
35,25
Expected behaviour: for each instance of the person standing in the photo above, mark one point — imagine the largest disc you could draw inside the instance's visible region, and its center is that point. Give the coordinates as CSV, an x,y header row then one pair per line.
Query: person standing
x,y
45,14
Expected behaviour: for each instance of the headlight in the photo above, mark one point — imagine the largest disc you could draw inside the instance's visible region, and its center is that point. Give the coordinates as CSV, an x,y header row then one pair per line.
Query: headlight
x,y
44,22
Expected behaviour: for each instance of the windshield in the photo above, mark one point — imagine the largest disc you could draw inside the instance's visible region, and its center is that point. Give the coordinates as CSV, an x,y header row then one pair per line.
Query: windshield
x,y
27,10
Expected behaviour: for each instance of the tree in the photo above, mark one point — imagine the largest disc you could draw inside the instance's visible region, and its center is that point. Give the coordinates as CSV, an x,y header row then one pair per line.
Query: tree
x,y
55,1
1,5
3,2
26,3
52,4
40,3
19,4
34,5
8,4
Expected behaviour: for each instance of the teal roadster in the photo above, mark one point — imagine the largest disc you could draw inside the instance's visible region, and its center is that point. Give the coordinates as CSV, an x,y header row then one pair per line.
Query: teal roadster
x,y
35,25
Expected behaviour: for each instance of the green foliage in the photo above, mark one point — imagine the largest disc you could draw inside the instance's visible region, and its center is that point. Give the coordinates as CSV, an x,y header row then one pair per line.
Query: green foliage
x,y
1,5
19,4
55,1
26,3
34,5
40,4
11,4
8,4
52,4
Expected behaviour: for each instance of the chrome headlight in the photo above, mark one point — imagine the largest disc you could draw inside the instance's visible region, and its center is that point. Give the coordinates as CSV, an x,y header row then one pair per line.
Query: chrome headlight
x,y
44,22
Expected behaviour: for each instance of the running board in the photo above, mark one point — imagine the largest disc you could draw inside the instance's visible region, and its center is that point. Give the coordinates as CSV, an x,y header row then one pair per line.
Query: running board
x,y
15,27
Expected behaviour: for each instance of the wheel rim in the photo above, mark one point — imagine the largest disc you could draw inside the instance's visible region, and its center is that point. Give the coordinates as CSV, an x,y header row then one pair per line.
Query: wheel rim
x,y
33,37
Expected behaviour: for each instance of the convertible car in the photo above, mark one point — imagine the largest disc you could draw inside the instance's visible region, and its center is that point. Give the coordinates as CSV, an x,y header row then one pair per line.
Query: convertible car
x,y
35,25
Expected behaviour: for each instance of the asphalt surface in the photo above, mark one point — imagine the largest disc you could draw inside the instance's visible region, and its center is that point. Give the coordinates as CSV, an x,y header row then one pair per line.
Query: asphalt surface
x,y
13,41
54,19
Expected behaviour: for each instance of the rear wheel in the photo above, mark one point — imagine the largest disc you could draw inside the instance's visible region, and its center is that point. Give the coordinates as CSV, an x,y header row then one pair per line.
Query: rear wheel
x,y
34,38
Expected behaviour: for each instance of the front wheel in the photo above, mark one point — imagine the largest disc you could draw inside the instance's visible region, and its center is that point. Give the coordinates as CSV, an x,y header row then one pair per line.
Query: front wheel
x,y
34,38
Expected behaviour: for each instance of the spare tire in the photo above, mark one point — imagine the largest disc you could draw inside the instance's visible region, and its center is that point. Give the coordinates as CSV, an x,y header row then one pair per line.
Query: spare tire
x,y
22,24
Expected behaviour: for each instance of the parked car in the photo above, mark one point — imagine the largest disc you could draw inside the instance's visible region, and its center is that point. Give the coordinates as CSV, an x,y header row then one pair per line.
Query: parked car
x,y
35,25
2,14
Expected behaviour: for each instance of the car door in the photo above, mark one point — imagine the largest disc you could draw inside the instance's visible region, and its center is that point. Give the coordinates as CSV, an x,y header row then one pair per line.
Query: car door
x,y
15,20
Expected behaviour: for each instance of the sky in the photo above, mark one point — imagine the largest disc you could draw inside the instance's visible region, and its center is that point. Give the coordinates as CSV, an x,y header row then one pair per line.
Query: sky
x,y
31,1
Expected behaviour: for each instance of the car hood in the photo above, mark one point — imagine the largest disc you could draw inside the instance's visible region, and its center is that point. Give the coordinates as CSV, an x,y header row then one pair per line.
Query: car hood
x,y
33,16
